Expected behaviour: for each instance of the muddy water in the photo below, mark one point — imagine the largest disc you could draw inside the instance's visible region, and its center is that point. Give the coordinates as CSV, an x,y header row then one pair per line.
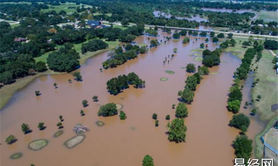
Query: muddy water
x,y
256,125
124,143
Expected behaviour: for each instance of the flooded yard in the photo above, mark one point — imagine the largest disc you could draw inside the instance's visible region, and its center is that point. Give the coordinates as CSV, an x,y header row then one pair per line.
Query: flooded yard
x,y
208,136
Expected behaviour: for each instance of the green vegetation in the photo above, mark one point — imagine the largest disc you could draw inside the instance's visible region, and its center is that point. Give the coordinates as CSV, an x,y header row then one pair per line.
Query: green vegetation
x,y
167,117
82,113
99,123
190,68
148,161
176,35
240,121
109,109
16,155
37,93
60,125
25,128
117,84
271,44
235,97
266,87
38,144
95,98
154,116
242,71
203,70
163,79
186,40
154,43
151,32
122,115
58,133
181,111
74,141
93,45
10,139
41,126
66,59
267,16
211,58
259,147
77,76
85,103
169,72
120,57
156,123
177,131
186,95
243,147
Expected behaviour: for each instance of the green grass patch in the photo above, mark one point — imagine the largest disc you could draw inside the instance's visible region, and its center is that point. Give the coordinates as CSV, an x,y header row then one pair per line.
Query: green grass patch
x,y
169,72
69,8
38,144
16,155
100,123
58,133
74,141
198,59
163,79
258,151
237,50
266,87
268,16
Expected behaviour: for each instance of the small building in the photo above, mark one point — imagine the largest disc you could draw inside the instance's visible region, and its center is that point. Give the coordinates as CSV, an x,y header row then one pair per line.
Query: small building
x,y
93,23
20,39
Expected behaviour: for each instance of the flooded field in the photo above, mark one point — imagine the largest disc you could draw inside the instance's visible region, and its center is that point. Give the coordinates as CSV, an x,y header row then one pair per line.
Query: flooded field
x,y
167,15
125,143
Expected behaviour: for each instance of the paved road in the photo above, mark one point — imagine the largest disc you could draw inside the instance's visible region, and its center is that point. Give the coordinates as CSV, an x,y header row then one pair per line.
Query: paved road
x,y
216,31
206,30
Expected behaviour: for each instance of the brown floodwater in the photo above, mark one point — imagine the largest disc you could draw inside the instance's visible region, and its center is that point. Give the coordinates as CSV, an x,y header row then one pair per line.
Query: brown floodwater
x,y
124,143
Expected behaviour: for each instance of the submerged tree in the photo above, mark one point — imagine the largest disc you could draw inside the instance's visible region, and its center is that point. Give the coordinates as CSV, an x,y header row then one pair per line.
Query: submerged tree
x,y
109,109
85,103
177,131
122,115
41,126
148,161
181,111
190,68
77,76
25,128
10,139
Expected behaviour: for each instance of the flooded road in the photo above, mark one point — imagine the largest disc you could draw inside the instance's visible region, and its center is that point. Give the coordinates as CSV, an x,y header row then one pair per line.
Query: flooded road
x,y
125,143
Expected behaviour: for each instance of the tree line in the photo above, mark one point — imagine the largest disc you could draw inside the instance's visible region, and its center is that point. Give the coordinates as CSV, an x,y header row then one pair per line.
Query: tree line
x,y
117,84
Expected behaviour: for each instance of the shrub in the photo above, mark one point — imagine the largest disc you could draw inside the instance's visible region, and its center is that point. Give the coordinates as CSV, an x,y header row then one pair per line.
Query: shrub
x,y
167,117
40,66
243,147
190,68
77,76
234,106
240,121
156,123
122,115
